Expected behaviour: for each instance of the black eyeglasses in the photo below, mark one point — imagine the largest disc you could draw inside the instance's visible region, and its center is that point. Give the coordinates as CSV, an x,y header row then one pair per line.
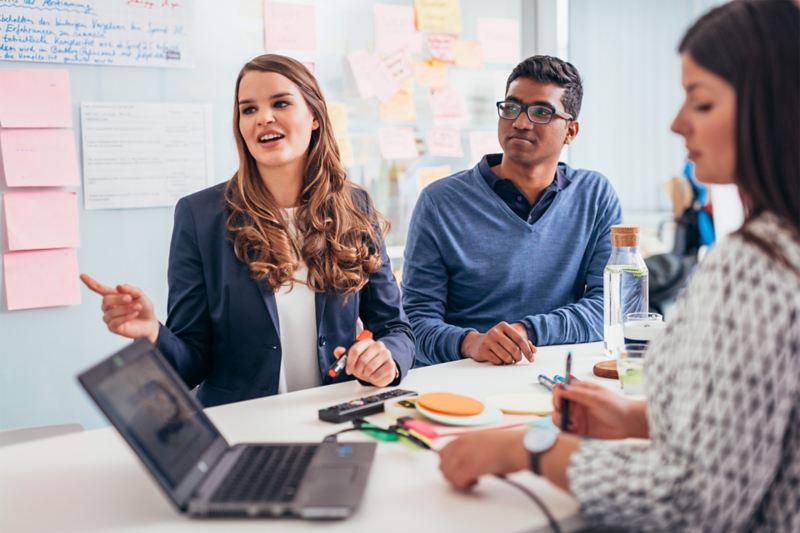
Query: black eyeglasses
x,y
537,113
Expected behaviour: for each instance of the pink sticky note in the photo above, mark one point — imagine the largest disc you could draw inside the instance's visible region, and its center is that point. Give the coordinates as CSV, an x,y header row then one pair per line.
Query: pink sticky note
x,y
39,158
448,105
35,99
444,142
37,220
482,143
499,40
290,27
395,29
397,143
373,77
43,278
441,46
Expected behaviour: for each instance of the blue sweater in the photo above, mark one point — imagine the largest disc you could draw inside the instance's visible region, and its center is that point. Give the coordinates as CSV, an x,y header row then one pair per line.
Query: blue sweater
x,y
471,262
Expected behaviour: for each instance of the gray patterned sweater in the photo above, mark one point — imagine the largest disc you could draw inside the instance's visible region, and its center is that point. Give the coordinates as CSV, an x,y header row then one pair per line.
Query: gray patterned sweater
x,y
723,406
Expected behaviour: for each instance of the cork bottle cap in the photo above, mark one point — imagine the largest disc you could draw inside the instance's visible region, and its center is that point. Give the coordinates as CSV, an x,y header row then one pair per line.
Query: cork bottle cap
x,y
624,235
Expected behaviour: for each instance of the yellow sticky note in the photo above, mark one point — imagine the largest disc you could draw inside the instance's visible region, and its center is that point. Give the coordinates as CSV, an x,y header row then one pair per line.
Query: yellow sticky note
x,y
468,54
338,115
443,16
427,175
399,108
431,73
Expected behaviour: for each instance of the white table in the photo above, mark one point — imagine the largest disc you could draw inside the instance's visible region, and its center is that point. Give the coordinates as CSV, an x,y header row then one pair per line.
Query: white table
x,y
92,481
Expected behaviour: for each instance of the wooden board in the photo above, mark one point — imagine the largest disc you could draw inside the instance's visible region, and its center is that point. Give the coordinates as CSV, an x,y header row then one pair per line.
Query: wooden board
x,y
606,369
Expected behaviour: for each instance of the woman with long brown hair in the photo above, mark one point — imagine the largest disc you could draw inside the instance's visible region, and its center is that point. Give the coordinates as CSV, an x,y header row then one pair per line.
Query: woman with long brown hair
x,y
722,413
270,271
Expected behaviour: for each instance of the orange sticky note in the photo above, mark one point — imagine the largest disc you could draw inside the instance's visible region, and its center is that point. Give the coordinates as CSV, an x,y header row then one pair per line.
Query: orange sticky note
x,y
290,27
37,220
35,99
43,278
468,54
431,73
399,108
427,175
39,158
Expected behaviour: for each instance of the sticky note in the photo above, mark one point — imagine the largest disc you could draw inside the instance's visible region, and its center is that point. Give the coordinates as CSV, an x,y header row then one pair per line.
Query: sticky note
x,y
468,54
440,46
42,278
35,99
443,16
398,65
431,73
338,115
37,220
482,143
397,143
499,40
427,175
399,108
290,27
39,158
395,30
448,105
444,142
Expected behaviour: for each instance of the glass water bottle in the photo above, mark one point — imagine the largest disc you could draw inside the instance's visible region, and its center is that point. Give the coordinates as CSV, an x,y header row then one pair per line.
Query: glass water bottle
x,y
625,285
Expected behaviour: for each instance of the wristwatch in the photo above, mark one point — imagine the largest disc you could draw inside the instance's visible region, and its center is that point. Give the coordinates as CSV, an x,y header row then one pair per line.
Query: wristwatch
x,y
537,441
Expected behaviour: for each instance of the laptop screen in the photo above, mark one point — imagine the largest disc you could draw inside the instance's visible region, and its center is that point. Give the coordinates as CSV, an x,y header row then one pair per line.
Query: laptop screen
x,y
153,410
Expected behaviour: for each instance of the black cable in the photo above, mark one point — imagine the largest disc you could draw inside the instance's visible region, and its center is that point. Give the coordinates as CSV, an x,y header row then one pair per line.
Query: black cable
x,y
394,431
530,494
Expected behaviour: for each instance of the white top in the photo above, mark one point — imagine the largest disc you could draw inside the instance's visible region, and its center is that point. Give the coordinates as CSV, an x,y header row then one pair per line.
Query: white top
x,y
723,406
297,317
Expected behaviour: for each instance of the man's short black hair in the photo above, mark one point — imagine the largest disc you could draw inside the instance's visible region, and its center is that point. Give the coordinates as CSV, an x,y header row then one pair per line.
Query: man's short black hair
x,y
549,69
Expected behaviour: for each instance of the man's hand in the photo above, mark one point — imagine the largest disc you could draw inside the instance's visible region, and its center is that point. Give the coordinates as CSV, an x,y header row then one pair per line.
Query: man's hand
x,y
504,344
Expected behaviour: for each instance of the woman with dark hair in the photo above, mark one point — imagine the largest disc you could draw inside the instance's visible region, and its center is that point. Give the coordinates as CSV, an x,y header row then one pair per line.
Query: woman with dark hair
x,y
722,413
271,270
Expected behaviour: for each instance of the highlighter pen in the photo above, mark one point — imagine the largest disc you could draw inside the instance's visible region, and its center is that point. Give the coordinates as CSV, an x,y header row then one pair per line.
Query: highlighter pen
x,y
340,363
546,382
564,402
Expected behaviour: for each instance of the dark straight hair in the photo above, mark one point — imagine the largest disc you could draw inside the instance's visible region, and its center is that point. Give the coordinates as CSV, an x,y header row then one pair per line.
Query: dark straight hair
x,y
755,46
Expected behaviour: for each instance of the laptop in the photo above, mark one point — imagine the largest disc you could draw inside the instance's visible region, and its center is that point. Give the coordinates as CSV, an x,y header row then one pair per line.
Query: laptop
x,y
148,403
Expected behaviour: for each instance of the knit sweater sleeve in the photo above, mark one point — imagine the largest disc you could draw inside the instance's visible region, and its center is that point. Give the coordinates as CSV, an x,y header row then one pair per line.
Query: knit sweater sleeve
x,y
582,321
723,388
425,281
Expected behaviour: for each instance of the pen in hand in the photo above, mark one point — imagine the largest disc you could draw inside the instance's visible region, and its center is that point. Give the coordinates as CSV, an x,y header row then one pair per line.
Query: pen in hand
x,y
340,363
564,402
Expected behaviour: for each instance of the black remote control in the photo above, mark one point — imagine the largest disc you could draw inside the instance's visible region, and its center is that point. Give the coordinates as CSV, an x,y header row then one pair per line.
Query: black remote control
x,y
361,407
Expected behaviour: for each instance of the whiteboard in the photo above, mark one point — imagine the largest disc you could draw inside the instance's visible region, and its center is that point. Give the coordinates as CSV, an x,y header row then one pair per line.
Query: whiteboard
x,y
42,350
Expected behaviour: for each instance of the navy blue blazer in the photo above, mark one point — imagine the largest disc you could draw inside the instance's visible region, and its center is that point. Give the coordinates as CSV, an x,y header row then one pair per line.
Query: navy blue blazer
x,y
222,330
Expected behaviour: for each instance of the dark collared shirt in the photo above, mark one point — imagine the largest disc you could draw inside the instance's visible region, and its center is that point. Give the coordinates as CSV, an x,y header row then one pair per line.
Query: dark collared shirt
x,y
513,197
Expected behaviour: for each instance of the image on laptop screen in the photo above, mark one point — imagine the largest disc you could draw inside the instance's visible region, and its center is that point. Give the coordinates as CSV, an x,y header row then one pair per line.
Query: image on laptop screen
x,y
158,416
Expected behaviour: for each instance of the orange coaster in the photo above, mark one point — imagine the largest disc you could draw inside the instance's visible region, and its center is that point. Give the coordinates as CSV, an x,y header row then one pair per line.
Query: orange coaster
x,y
446,403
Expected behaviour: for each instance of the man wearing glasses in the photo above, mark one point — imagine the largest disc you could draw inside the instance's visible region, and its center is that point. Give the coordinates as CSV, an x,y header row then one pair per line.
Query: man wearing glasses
x,y
509,255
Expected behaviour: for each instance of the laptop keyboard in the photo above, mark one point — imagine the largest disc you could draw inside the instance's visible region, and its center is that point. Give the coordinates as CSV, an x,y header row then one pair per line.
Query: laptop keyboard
x,y
266,474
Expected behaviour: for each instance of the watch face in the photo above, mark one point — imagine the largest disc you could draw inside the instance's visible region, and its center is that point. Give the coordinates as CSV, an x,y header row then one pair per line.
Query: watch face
x,y
539,440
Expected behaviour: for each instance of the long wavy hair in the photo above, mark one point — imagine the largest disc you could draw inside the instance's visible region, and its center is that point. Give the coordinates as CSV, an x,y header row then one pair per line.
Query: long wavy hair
x,y
339,231
753,45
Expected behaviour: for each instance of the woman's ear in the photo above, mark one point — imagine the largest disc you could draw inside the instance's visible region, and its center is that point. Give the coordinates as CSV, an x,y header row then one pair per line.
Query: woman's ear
x,y
315,124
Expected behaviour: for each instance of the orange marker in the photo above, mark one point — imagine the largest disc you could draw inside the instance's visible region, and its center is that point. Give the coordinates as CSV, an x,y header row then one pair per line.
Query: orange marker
x,y
340,363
